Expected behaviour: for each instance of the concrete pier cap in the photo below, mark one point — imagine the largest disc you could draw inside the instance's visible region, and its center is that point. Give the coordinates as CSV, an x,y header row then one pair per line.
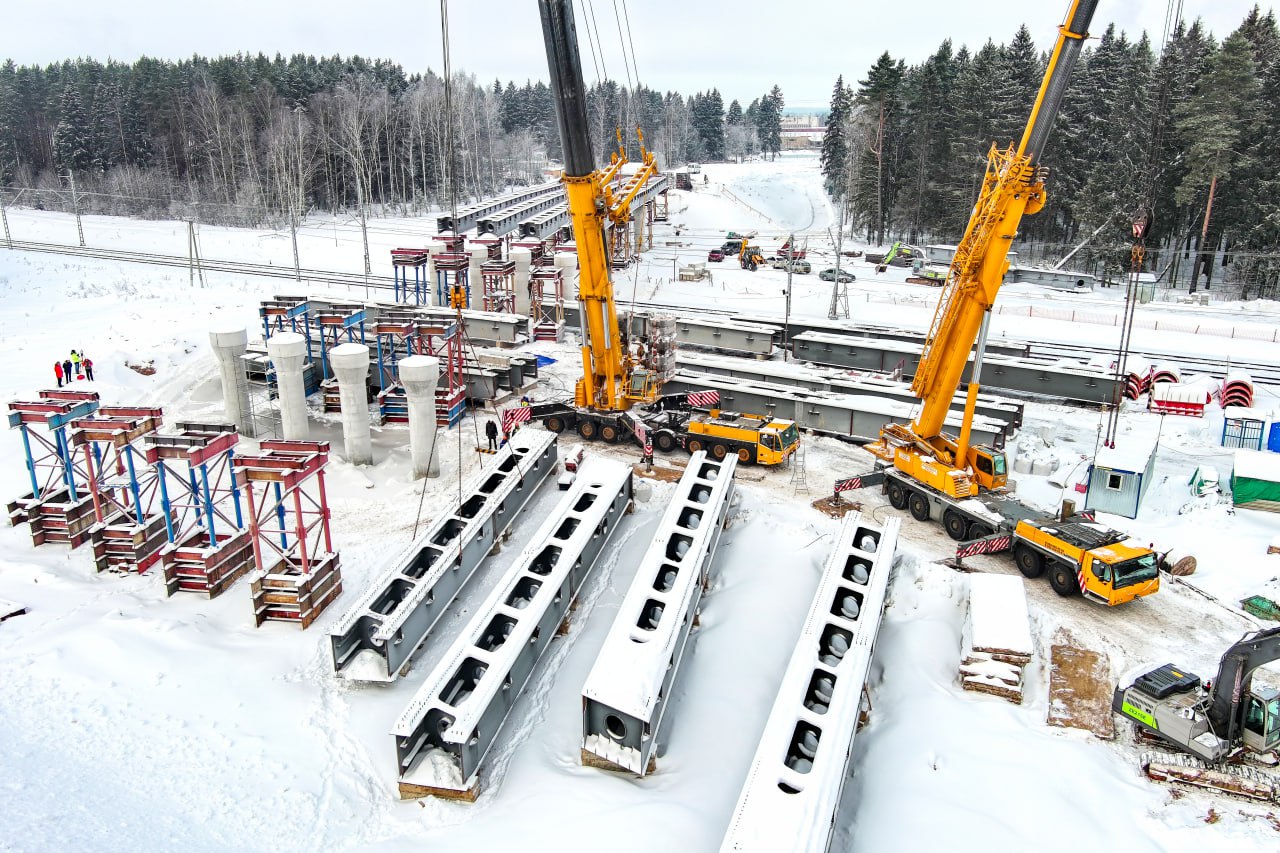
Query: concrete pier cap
x,y
288,351
350,364
289,347
229,344
349,358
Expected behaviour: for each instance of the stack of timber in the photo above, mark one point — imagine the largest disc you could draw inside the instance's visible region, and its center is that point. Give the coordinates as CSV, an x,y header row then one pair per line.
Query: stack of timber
x,y
997,639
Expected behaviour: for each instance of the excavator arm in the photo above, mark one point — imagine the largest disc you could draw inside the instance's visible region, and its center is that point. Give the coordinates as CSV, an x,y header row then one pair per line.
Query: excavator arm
x,y
1235,676
1012,187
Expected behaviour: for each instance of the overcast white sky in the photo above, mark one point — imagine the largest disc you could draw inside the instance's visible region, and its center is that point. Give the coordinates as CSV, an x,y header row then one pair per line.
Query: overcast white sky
x,y
742,47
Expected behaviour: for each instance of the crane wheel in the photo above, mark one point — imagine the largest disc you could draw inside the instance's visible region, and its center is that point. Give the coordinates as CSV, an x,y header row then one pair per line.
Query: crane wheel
x,y
609,433
744,456
955,525
1063,580
665,441
1029,561
919,506
897,496
718,452
977,531
694,445
555,423
588,430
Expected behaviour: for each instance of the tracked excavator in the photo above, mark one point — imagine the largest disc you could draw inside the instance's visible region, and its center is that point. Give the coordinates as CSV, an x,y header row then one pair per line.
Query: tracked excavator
x,y
1217,725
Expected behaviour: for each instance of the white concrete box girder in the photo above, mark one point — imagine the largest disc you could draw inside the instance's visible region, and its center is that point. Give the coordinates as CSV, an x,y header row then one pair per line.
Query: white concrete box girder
x,y
376,638
625,696
446,731
792,791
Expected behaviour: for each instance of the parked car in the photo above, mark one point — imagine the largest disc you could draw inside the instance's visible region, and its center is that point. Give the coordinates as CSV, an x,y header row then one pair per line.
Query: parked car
x,y
830,275
801,267
715,255
731,247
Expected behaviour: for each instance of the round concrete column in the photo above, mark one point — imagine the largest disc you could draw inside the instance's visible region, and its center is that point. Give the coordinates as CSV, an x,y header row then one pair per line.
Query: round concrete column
x,y
288,351
350,364
523,259
637,229
419,374
229,345
430,287
478,257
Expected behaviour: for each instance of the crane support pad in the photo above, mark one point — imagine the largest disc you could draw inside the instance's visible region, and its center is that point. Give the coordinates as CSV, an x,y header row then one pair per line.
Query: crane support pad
x,y
793,788
625,697
376,638
446,732
1080,689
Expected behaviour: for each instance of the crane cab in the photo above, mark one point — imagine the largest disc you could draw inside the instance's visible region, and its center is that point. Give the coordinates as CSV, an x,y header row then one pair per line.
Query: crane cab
x,y
1261,731
990,468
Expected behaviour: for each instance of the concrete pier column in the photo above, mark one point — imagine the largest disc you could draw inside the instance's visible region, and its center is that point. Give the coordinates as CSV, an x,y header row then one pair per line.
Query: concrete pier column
x,y
288,351
523,259
229,345
478,257
430,288
419,374
350,363
637,228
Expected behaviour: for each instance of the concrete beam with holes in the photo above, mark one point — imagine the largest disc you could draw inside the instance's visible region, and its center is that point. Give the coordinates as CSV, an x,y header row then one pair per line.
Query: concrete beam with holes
x,y
625,696
375,639
792,791
485,327
470,215
726,335
447,730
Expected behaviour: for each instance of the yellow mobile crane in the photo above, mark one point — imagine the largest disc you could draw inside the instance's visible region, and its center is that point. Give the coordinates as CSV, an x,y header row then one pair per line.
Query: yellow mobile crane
x,y
613,379
941,477
1013,187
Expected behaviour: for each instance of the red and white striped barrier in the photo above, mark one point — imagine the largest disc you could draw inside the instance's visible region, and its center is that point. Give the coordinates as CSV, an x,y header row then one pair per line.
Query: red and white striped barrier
x,y
988,545
703,398
513,417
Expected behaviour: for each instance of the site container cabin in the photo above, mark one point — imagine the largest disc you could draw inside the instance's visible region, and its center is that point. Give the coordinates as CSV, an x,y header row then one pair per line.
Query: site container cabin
x,y
1120,475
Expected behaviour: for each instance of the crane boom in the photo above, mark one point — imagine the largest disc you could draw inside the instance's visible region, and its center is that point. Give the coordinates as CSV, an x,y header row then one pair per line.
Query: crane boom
x,y
1012,187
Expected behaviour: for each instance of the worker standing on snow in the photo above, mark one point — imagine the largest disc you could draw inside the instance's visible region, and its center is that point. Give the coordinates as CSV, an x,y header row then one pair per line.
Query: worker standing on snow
x,y
75,363
87,364
491,433
57,371
66,370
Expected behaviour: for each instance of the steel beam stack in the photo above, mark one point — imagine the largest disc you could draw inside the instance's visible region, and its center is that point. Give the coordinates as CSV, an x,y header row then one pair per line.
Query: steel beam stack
x,y
453,722
793,788
469,216
625,697
376,638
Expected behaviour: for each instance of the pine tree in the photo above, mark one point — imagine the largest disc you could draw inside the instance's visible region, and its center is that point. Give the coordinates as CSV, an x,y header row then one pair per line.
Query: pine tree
x,y
72,138
769,121
734,116
1212,122
879,94
835,145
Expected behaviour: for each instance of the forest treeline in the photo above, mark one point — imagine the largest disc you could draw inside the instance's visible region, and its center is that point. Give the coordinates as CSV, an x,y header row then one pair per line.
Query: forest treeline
x,y
247,139
1193,135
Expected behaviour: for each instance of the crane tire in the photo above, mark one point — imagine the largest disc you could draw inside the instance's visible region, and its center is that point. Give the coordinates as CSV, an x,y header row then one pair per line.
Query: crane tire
x,y
609,434
718,452
745,456
694,445
555,423
955,525
919,506
665,441
588,430
1029,561
977,530
1063,580
897,496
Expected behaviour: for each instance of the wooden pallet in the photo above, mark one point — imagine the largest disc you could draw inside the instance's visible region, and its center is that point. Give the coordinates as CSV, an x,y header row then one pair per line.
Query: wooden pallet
x,y
287,595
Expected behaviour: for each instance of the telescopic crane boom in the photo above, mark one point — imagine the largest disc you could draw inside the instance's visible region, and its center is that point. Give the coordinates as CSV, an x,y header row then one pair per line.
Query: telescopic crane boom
x,y
611,380
1013,187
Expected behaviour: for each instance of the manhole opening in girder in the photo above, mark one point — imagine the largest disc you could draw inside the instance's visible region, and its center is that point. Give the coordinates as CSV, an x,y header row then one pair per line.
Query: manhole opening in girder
x,y
834,644
866,539
847,604
857,570
614,727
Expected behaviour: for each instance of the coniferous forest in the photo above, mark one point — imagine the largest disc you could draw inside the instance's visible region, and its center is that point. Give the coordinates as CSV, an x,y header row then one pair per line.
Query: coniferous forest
x,y
1191,133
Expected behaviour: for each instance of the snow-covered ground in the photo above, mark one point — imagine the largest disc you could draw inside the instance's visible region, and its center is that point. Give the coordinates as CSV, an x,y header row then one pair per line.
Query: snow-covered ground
x,y
133,721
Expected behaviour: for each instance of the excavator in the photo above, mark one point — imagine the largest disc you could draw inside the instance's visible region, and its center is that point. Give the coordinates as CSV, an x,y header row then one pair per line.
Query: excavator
x,y
750,257
619,394
1215,724
1013,186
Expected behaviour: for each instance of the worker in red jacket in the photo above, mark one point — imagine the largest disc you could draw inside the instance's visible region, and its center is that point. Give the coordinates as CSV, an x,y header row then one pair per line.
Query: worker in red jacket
x,y
57,371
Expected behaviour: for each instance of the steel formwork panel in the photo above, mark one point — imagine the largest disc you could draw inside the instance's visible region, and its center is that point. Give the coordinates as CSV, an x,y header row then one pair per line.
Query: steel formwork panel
x,y
792,791
376,638
625,696
463,704
857,416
